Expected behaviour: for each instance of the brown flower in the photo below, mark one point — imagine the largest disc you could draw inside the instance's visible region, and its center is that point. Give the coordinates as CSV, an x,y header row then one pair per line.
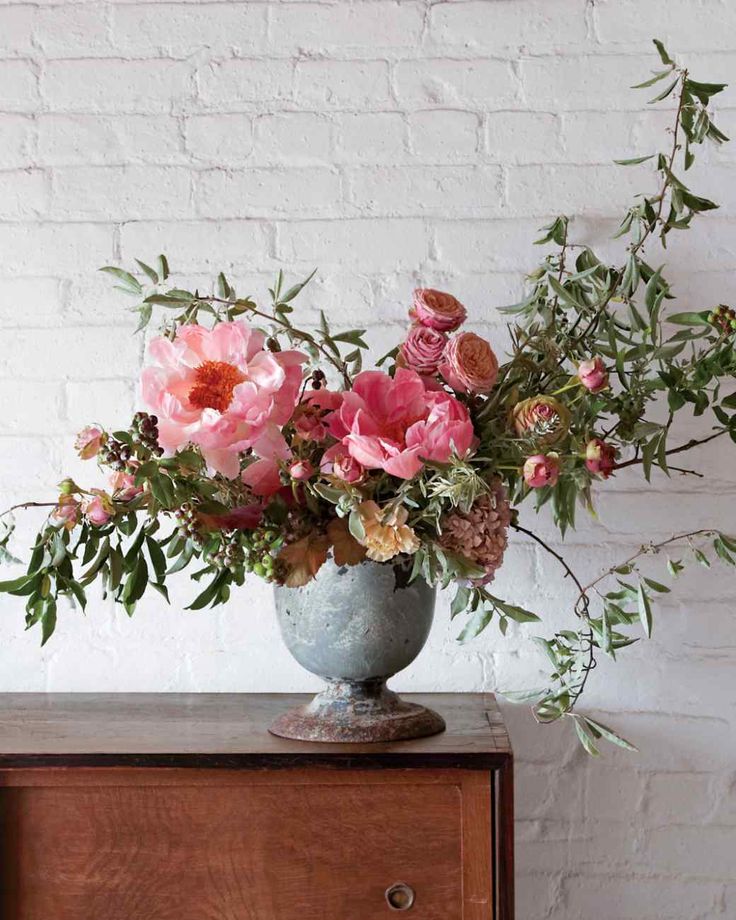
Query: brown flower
x,y
480,535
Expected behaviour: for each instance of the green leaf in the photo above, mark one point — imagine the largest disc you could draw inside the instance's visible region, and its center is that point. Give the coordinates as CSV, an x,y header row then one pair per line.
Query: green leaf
x,y
210,593
296,289
586,738
564,294
130,281
610,735
659,75
135,583
657,586
645,610
147,270
689,318
662,51
48,620
634,161
665,92
460,601
476,624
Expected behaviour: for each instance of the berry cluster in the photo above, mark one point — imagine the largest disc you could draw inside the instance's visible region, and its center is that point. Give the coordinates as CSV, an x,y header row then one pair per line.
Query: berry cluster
x,y
144,430
724,318
188,524
115,454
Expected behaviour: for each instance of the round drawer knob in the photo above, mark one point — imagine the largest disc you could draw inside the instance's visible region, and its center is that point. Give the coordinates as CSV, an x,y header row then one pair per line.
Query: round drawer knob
x,y
400,896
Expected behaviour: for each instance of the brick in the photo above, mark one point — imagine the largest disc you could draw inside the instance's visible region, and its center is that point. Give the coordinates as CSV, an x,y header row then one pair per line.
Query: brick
x,y
194,246
104,401
46,399
235,85
621,22
121,193
507,26
220,139
678,798
293,137
172,30
366,26
541,191
16,30
17,134
73,31
30,301
704,852
523,137
600,137
627,898
27,463
268,192
54,354
65,140
440,136
18,87
437,190
488,85
342,84
474,245
46,249
23,194
374,137
116,87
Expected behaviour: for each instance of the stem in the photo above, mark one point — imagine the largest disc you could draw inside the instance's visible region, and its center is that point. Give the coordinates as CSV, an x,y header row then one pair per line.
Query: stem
x,y
694,442
27,505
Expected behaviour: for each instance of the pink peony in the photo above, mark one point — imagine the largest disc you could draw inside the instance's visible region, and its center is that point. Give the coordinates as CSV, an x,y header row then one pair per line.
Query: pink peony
x,y
88,442
392,424
423,349
338,462
99,509
593,375
541,470
469,365
437,310
219,389
600,458
263,477
309,418
301,470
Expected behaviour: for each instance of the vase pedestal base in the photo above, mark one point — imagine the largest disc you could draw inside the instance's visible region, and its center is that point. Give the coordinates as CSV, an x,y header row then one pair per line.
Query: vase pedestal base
x,y
357,712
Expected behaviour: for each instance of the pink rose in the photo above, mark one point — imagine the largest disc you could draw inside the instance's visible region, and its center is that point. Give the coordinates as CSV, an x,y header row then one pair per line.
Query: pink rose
x,y
67,511
469,365
123,487
301,470
437,310
541,470
600,458
98,510
593,375
423,349
88,442
338,462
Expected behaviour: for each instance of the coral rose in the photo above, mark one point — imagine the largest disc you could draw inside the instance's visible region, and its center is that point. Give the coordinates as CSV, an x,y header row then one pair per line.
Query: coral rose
x,y
88,442
394,423
219,389
386,535
469,364
541,470
600,457
437,310
423,349
593,375
543,418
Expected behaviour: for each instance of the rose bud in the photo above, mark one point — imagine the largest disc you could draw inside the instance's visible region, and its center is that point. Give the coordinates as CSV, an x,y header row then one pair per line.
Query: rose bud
x,y
469,365
67,511
600,458
98,510
541,470
68,486
593,375
301,470
123,487
437,310
88,442
423,350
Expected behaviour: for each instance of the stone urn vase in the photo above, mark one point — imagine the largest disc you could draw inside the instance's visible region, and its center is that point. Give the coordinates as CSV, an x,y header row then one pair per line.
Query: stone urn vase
x,y
356,626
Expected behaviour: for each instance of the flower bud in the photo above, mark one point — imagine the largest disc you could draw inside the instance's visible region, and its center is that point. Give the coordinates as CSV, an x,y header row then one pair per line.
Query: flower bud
x,y
593,375
541,470
600,457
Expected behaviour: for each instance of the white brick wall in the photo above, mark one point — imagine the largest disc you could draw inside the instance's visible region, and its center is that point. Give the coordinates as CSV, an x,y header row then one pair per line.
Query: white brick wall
x,y
389,143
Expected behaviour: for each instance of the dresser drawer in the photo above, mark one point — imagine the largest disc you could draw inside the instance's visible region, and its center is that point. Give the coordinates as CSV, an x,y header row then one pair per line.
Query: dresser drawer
x,y
226,845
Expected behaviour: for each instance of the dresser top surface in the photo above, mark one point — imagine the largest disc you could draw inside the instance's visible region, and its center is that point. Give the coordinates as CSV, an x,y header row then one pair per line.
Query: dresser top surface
x,y
226,730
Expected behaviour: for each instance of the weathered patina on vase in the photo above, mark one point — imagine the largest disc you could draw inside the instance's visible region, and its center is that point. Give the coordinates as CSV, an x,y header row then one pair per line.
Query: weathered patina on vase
x,y
356,626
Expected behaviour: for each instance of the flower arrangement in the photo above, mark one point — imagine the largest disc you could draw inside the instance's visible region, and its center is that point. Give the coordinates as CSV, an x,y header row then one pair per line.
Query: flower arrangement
x,y
265,448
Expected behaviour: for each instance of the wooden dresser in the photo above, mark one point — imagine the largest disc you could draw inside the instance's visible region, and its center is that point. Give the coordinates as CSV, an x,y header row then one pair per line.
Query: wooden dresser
x,y
183,807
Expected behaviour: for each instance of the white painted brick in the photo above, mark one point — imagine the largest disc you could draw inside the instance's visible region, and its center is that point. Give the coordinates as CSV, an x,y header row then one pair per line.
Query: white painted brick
x,y
170,30
707,26
123,193
18,87
268,192
101,402
627,898
373,137
115,87
65,140
420,190
542,191
91,300
679,798
342,84
439,136
366,26
73,31
523,137
502,26
46,354
198,246
26,462
600,137
45,397
30,301
47,249
293,137
225,140
23,194
234,85
16,30
17,134
504,245
489,85
704,852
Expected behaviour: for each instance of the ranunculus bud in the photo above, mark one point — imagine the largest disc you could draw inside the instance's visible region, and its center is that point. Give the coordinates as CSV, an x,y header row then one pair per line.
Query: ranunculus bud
x,y
88,442
68,486
593,375
301,470
437,310
67,511
469,365
600,457
541,470
543,418
423,349
99,509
